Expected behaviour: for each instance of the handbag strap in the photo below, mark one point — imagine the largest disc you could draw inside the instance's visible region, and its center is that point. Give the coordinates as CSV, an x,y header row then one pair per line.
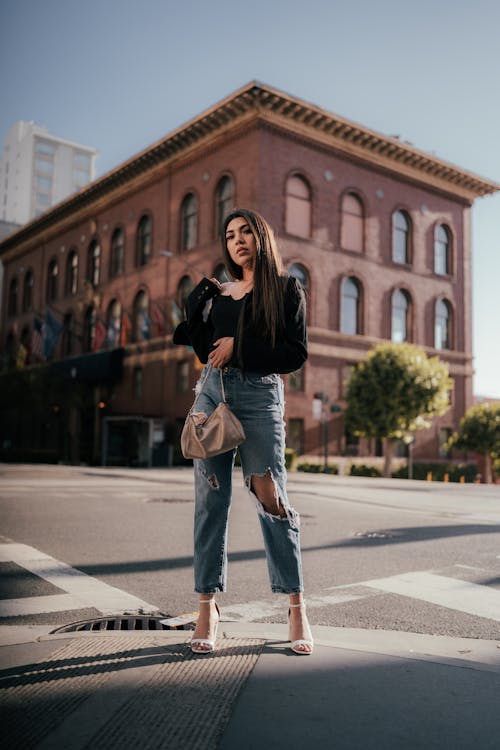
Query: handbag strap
x,y
203,385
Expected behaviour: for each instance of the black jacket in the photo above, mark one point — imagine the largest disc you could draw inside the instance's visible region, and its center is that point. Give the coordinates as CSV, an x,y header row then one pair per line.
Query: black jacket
x,y
257,355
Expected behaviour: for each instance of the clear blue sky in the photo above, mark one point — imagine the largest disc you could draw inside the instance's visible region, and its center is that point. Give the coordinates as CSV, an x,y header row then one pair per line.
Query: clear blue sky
x,y
119,74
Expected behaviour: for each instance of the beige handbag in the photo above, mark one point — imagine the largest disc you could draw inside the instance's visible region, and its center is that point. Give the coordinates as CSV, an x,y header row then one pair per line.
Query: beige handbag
x,y
206,436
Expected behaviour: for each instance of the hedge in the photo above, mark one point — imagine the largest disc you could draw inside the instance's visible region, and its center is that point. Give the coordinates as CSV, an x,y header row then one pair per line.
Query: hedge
x,y
438,471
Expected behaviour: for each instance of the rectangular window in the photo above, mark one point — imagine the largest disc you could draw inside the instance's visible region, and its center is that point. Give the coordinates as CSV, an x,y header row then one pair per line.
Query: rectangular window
x,y
43,166
182,381
44,184
45,148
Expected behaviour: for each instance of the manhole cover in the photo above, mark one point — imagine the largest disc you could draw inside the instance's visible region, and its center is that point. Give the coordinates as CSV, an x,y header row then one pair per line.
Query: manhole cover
x,y
121,622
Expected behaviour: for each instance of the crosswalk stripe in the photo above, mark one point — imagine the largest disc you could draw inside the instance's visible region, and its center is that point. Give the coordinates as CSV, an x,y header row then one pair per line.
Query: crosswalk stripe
x,y
38,605
84,590
256,610
451,593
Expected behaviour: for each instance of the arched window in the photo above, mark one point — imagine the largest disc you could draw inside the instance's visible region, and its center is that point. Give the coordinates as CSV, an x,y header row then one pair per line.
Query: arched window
x,y
89,328
68,335
29,281
300,273
141,323
113,324
442,265
12,299
144,240
189,222
350,310
220,273
184,289
72,274
52,274
117,252
400,237
298,206
351,231
11,348
400,316
224,196
442,325
94,263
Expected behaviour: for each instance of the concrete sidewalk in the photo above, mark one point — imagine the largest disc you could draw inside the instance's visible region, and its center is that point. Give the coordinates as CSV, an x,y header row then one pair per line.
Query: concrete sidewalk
x,y
361,689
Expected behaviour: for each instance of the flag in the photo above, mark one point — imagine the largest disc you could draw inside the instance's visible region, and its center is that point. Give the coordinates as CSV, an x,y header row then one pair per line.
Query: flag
x,y
37,339
159,319
21,357
113,332
99,335
144,323
126,327
51,332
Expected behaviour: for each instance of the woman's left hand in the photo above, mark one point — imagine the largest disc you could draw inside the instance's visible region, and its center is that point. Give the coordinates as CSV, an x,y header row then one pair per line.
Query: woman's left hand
x,y
223,352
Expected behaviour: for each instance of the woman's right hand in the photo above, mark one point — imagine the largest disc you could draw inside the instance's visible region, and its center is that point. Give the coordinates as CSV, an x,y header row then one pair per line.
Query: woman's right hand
x,y
217,283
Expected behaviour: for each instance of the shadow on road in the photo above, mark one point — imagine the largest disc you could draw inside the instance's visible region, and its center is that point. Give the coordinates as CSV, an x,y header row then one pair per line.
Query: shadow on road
x,y
369,538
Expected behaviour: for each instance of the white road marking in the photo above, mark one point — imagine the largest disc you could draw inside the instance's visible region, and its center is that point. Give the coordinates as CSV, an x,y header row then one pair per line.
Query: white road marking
x,y
84,590
451,593
256,610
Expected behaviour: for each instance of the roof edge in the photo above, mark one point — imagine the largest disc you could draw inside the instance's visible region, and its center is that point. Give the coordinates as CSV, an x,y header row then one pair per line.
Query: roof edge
x,y
261,99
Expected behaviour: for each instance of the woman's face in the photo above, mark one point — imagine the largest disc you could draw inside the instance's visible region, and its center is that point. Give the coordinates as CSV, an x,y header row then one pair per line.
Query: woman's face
x,y
240,242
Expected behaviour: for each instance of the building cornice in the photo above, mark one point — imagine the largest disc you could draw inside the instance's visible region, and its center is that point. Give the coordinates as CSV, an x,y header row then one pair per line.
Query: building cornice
x,y
254,102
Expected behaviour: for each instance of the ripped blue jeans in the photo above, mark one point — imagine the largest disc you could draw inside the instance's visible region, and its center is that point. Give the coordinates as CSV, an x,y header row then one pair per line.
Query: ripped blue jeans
x,y
257,400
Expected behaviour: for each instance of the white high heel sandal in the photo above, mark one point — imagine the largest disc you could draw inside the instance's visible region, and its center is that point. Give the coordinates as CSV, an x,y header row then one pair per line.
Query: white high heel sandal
x,y
308,641
208,642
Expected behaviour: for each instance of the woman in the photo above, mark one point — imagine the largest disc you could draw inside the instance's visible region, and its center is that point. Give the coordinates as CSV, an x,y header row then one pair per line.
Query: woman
x,y
251,329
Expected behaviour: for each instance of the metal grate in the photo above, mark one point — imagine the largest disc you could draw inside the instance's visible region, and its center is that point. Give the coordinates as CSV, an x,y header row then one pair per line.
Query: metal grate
x,y
122,623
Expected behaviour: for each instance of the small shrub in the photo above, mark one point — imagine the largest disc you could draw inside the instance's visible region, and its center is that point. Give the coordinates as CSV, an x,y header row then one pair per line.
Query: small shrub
x,y
362,470
317,468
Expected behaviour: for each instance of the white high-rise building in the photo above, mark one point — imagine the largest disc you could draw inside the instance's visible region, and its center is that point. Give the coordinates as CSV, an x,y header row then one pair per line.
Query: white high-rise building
x,y
38,170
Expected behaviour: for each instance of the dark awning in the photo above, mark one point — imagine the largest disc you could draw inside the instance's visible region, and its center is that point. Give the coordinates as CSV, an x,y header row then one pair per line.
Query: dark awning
x,y
92,368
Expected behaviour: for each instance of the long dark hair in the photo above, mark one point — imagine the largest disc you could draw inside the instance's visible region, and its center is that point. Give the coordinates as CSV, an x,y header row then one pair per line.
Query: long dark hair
x,y
268,310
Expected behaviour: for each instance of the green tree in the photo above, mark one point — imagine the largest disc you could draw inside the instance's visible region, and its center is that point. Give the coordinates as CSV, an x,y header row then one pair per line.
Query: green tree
x,y
394,392
480,432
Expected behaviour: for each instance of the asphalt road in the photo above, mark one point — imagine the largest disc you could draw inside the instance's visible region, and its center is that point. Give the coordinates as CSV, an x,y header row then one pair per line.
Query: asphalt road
x,y
378,554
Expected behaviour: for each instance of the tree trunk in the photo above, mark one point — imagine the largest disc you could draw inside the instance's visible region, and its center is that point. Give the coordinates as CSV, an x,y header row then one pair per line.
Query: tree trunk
x,y
488,469
389,451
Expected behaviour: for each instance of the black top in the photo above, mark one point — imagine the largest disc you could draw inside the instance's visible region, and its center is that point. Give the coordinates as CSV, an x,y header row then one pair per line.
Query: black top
x,y
257,354
224,315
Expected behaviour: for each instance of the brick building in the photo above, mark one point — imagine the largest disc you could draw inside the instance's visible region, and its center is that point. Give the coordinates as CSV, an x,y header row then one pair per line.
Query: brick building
x,y
378,232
